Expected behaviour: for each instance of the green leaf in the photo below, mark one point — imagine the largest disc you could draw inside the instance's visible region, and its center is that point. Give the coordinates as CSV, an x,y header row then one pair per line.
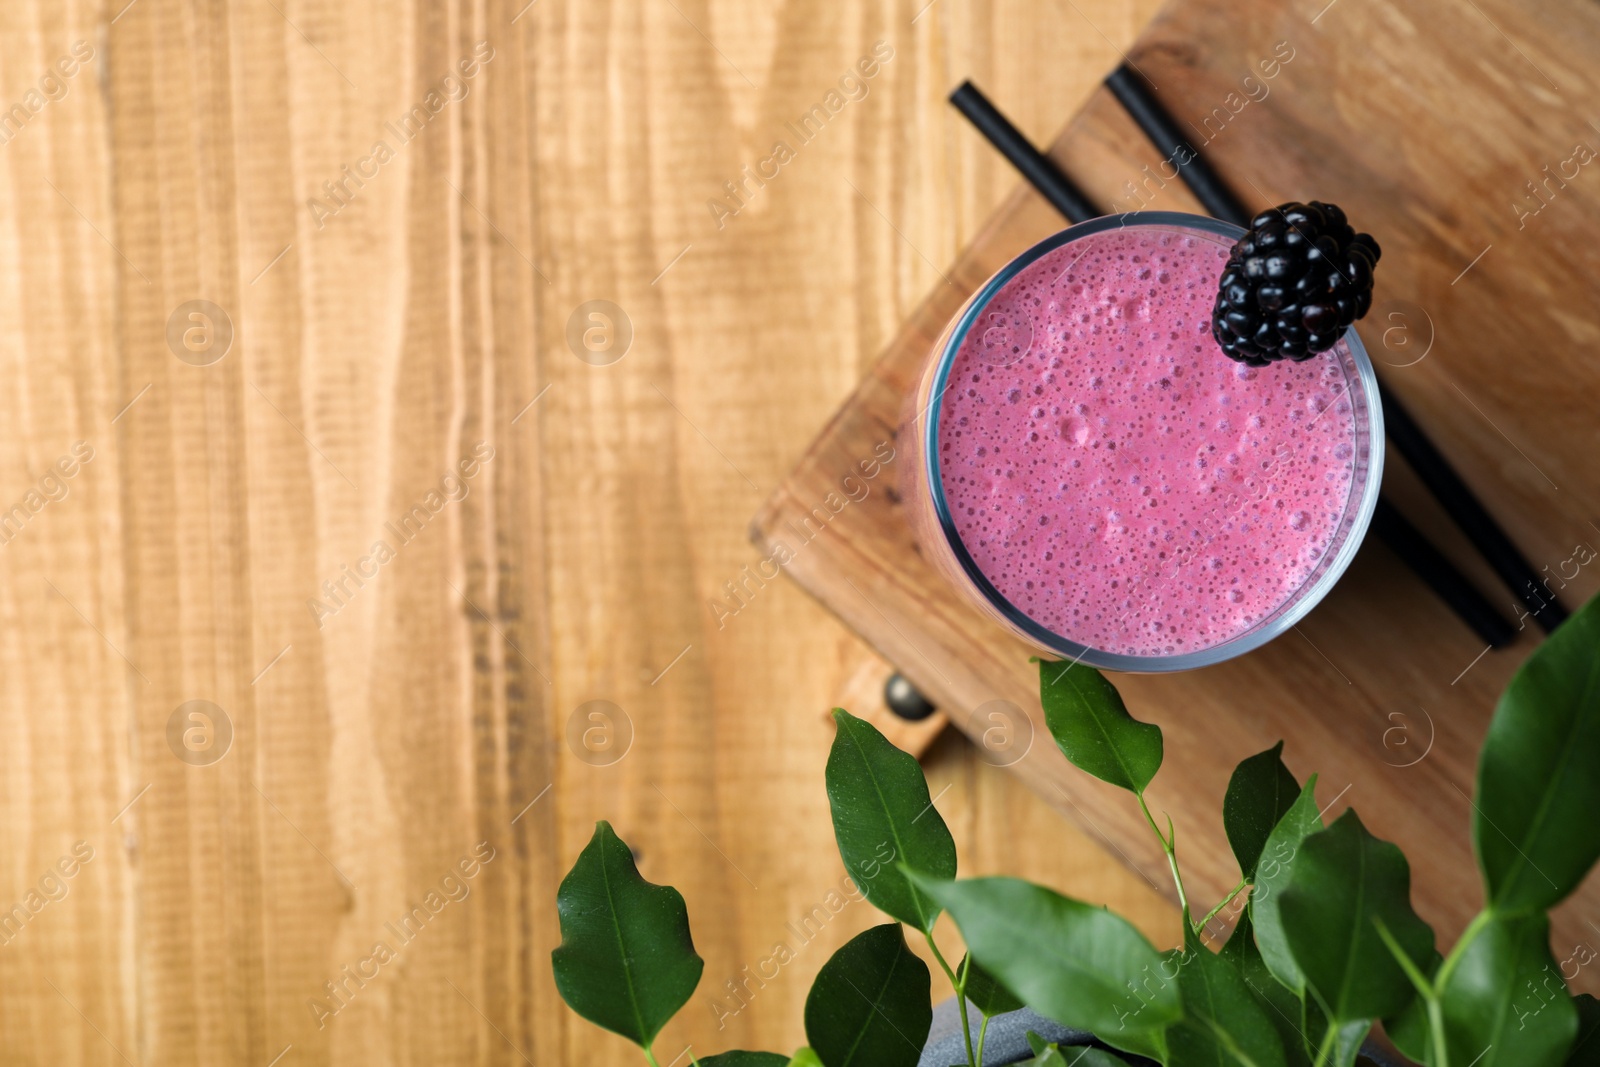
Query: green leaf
x,y
1410,1033
1078,964
1048,1056
1586,1049
1223,1022
1092,726
1534,825
626,961
1505,1003
1345,882
1273,873
986,992
1094,1057
804,1057
1260,794
1241,941
1283,1007
746,1059
1052,1056
870,1005
882,817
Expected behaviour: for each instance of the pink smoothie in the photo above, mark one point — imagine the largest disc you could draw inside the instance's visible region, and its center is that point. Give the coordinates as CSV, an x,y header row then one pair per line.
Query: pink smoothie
x,y
1116,477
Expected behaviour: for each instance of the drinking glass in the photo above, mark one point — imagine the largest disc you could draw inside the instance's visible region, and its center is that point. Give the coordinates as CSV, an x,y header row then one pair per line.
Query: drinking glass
x,y
929,508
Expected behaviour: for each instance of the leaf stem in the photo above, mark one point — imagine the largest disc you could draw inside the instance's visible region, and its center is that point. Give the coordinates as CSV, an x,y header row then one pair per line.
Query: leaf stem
x,y
983,1033
651,1056
1212,914
1169,846
1329,1039
1441,1050
960,986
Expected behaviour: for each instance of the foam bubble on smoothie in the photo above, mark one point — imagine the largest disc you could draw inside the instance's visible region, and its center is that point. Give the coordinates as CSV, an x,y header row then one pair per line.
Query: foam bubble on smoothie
x,y
1119,480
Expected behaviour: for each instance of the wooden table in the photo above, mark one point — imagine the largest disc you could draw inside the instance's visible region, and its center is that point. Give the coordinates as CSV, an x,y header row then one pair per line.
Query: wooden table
x,y
379,336
1485,324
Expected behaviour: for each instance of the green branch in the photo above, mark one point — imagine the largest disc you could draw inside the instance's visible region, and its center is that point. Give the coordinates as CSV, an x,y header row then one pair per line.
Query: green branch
x,y
1329,1040
960,986
1169,846
1229,899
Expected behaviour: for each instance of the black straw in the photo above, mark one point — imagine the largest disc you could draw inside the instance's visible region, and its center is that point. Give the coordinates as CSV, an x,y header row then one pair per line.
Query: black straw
x,y
1462,506
1441,575
1133,92
1041,172
1442,481
1034,165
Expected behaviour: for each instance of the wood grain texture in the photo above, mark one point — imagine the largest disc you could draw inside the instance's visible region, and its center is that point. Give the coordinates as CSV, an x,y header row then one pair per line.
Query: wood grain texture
x,y
1484,323
393,315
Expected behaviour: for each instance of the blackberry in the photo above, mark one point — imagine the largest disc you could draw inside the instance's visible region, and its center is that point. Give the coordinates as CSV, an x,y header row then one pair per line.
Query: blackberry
x,y
1293,284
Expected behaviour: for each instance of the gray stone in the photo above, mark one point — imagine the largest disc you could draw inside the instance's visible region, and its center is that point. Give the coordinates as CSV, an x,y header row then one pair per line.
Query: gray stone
x,y
1007,1040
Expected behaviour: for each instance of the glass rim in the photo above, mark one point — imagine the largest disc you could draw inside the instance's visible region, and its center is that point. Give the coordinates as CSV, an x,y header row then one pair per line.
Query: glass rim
x,y
1290,612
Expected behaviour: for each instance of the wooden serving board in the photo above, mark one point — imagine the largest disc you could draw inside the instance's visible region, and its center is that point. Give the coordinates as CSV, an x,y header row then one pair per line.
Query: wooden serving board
x,y
1427,122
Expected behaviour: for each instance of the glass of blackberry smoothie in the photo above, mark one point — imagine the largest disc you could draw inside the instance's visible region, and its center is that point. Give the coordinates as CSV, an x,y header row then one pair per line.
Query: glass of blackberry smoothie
x,y
1087,466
